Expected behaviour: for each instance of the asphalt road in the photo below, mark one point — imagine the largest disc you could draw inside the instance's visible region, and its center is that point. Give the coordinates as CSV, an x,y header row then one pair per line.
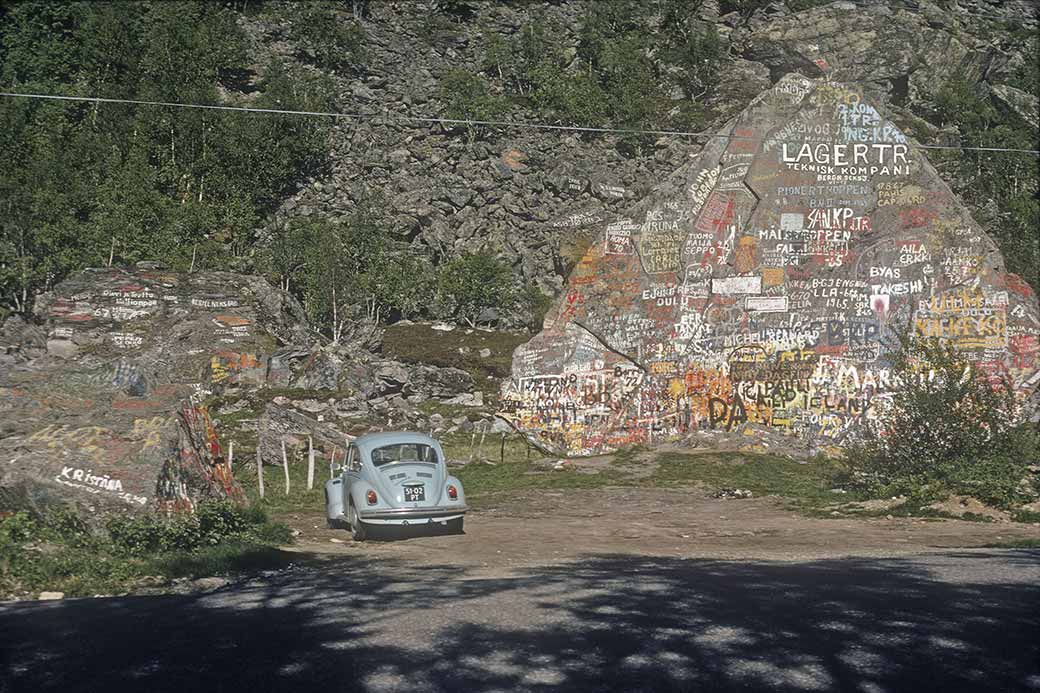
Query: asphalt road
x,y
967,620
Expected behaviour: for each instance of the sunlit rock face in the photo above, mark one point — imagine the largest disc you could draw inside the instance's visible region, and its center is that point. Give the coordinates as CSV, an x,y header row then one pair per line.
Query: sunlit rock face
x,y
759,290
101,408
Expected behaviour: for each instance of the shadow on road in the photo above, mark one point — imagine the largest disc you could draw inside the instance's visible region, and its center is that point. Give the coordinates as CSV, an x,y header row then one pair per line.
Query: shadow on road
x,y
603,623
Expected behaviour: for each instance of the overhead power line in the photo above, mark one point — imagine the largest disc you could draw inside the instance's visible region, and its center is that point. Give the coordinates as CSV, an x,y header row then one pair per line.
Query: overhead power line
x,y
463,121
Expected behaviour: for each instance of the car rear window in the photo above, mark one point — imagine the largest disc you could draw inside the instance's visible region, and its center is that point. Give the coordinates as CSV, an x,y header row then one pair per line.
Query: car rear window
x,y
403,452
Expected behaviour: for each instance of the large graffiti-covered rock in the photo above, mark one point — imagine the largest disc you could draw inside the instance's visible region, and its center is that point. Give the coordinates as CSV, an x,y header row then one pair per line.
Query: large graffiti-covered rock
x,y
101,398
759,289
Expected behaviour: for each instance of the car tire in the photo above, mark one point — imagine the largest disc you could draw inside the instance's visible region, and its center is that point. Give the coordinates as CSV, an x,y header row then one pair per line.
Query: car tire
x,y
454,526
357,530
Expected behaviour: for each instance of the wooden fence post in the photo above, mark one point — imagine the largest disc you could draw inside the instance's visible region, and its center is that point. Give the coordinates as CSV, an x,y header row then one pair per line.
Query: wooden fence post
x,y
230,455
310,463
332,462
285,466
259,462
502,452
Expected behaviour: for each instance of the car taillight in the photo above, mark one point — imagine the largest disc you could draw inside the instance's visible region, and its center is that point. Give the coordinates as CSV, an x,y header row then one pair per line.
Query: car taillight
x,y
371,497
453,493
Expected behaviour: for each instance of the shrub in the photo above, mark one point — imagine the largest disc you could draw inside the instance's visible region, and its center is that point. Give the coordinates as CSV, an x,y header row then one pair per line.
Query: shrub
x,y
1000,186
212,523
469,285
468,97
330,40
949,427
16,529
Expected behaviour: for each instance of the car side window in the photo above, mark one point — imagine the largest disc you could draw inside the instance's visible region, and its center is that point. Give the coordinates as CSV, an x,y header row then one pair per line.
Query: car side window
x,y
353,459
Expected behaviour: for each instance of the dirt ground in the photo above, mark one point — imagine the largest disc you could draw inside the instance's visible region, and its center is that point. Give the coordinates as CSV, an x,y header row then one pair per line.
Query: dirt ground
x,y
549,527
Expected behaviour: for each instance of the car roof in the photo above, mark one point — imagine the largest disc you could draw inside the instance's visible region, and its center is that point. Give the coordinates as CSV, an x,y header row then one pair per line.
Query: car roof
x,y
370,441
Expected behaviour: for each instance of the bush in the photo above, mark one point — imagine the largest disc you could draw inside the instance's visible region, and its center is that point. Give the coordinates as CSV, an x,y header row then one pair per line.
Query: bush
x,y
59,551
469,285
212,524
468,97
949,428
331,41
16,529
1001,186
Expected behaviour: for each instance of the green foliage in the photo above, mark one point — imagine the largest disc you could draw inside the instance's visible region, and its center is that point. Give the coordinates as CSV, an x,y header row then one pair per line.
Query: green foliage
x,y
350,270
694,47
1001,186
806,484
1026,516
212,524
537,305
630,57
15,530
1027,75
469,285
515,60
61,552
745,8
325,35
570,98
468,97
82,181
949,429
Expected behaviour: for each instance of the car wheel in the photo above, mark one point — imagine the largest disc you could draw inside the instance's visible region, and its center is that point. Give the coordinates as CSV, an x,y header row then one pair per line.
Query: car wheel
x,y
454,526
357,530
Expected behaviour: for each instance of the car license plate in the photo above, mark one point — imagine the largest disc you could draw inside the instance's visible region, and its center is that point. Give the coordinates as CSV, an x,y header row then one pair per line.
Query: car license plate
x,y
414,493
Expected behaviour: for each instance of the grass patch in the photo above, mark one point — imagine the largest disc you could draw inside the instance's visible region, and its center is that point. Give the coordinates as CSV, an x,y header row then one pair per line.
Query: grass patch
x,y
806,484
225,559
60,552
511,468
276,501
416,343
484,482
1026,516
448,411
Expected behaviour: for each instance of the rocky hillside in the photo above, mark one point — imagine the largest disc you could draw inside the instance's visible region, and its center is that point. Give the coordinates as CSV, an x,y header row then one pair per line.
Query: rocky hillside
x,y
118,383
536,198
317,202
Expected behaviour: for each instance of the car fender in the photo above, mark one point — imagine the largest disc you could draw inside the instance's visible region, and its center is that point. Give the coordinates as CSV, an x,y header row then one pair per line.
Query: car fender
x,y
457,484
360,488
334,508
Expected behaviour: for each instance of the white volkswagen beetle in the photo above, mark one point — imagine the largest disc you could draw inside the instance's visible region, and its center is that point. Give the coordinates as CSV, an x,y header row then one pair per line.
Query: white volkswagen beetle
x,y
394,479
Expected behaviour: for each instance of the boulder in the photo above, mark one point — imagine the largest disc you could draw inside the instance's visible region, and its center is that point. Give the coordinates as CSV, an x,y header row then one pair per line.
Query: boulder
x,y
760,288
111,415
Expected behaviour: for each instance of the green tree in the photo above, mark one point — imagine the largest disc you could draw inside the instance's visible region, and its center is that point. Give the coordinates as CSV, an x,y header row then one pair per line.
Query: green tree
x,y
325,34
471,284
82,181
1002,187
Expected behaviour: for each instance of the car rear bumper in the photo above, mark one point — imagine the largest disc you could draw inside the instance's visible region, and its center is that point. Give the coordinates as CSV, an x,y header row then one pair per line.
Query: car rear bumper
x,y
411,515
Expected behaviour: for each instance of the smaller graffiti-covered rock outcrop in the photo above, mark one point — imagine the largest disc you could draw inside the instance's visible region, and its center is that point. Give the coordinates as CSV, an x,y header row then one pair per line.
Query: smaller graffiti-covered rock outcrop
x,y
101,401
